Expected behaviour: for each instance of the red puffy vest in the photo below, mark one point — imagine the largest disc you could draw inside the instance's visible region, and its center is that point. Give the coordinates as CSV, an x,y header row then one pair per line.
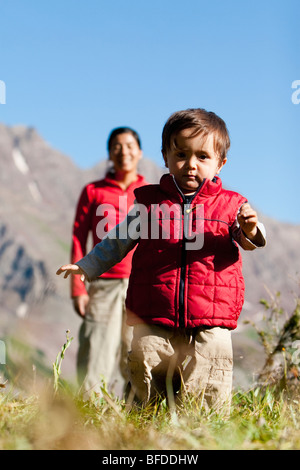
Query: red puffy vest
x,y
175,283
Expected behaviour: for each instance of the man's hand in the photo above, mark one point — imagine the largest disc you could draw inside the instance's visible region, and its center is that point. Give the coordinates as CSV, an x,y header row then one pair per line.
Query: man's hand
x,y
71,269
247,218
80,304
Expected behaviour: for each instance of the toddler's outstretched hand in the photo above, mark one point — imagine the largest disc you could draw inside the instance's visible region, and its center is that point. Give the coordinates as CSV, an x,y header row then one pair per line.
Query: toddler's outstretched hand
x,y
71,269
247,218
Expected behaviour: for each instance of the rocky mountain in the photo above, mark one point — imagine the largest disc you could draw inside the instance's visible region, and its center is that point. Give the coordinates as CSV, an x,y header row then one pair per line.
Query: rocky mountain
x,y
39,188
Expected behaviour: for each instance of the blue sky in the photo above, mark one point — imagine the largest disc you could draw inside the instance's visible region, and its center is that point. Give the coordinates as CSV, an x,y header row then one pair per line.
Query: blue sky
x,y
76,69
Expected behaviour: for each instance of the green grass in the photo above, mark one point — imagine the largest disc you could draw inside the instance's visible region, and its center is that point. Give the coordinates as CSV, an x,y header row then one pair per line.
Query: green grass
x,y
259,419
49,414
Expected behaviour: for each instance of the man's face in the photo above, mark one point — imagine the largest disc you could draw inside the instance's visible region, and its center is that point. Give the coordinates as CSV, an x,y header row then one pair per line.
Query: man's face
x,y
192,160
125,153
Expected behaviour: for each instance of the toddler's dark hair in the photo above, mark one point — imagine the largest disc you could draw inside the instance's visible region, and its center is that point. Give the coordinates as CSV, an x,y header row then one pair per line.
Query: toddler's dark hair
x,y
203,123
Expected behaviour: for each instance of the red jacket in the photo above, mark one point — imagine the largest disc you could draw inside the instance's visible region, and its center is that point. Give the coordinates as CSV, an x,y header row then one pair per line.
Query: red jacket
x,y
102,205
174,286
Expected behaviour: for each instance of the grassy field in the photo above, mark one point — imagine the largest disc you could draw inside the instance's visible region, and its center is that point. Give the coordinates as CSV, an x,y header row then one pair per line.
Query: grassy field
x,y
51,415
259,420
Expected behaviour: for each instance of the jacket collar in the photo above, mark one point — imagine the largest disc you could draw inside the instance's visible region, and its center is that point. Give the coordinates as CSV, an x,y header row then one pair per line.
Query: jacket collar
x,y
110,179
207,189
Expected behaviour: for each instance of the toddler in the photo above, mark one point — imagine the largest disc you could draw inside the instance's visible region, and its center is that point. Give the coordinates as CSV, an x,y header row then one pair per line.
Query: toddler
x,y
186,288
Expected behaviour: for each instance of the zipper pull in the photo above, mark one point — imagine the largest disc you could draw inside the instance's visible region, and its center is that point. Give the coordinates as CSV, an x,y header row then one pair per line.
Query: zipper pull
x,y
190,209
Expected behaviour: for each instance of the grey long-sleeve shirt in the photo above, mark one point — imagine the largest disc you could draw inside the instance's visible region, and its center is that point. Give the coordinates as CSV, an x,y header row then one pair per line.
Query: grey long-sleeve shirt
x,y
125,236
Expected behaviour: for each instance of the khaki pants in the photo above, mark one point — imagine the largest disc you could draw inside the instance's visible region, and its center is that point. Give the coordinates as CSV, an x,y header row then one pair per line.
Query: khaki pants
x,y
104,337
198,361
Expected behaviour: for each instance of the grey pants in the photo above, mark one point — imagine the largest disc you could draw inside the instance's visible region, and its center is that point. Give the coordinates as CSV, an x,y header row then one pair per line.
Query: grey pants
x,y
198,361
104,337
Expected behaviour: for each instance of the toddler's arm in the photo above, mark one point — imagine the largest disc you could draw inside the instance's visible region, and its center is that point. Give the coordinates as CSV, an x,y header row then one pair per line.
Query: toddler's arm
x,y
112,249
71,269
247,230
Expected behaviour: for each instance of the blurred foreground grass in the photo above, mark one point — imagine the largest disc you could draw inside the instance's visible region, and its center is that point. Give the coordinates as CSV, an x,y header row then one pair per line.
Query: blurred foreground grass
x,y
62,421
41,411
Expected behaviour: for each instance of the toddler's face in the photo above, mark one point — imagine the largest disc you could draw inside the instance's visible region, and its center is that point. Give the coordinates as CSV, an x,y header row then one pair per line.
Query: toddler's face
x,y
192,160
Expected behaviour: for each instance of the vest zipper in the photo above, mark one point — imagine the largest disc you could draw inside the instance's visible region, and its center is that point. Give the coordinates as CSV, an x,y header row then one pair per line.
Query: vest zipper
x,y
186,211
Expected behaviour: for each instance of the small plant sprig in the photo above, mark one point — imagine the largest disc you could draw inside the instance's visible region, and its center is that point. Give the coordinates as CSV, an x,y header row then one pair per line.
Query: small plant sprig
x,y
58,363
279,339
